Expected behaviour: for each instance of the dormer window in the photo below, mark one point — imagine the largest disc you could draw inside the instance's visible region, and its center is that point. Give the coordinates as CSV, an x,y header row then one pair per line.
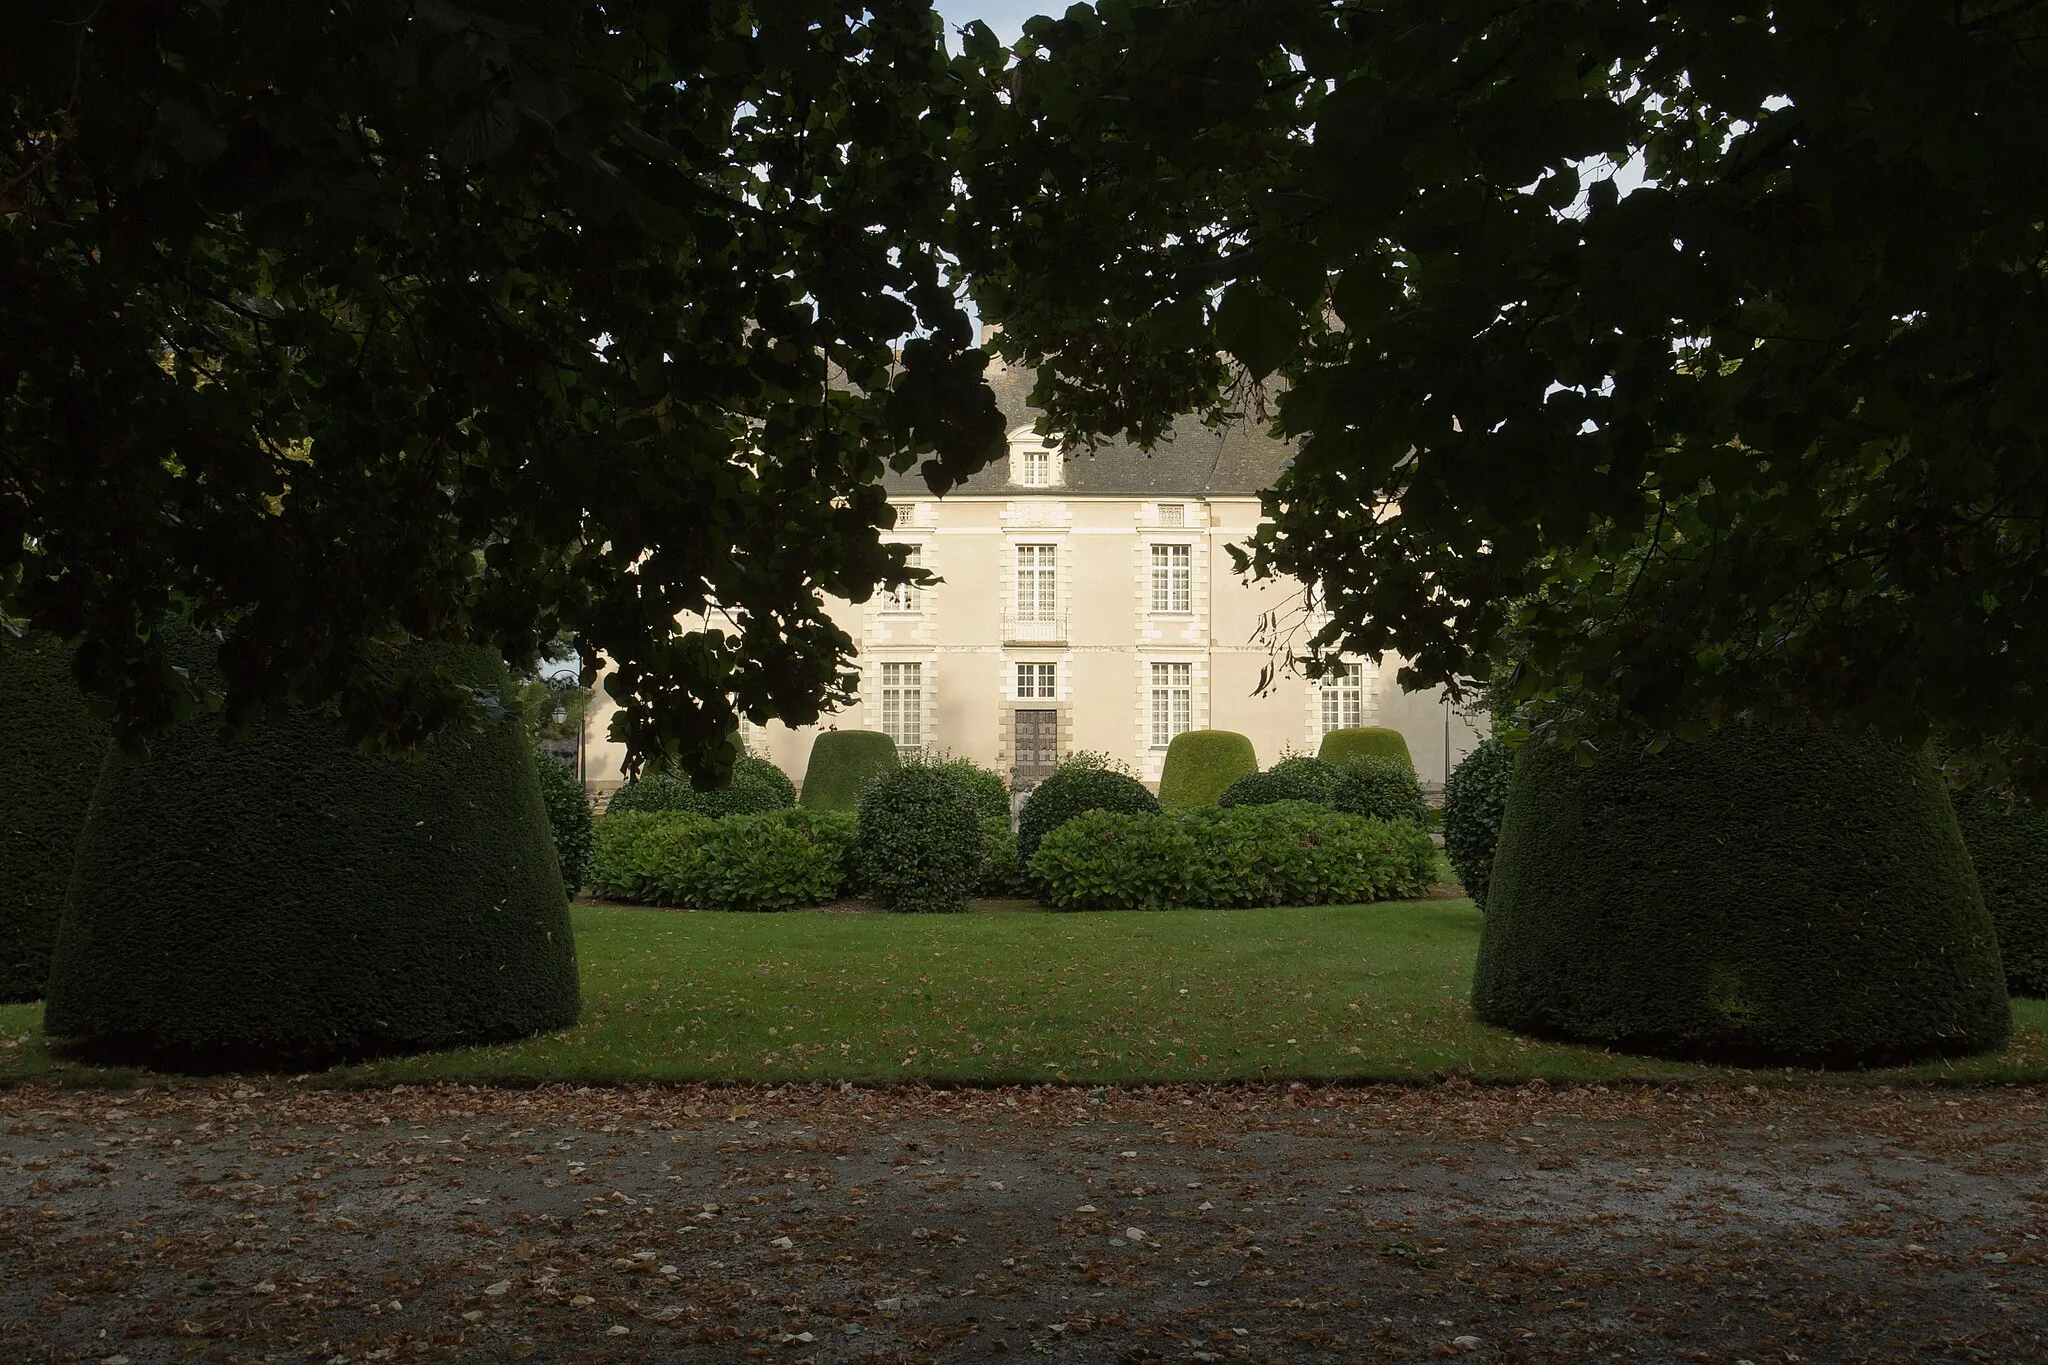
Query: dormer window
x,y
1033,464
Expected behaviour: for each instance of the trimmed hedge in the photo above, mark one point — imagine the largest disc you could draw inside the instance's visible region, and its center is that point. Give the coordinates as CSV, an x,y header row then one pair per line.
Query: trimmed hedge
x,y
284,900
757,786
1201,764
842,763
50,752
777,860
2008,843
1475,795
921,840
1381,789
991,795
1298,778
569,820
1759,896
1292,853
1080,784
1342,747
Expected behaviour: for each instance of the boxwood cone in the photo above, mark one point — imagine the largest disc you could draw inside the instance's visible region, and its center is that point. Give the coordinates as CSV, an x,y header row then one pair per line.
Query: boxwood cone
x,y
1763,896
283,901
2008,843
842,763
50,751
1201,764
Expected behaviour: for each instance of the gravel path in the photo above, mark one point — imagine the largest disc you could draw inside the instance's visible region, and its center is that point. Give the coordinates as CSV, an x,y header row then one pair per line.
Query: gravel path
x,y
248,1222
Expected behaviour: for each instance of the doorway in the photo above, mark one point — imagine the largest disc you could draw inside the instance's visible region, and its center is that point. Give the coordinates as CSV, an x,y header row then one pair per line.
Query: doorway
x,y
1036,751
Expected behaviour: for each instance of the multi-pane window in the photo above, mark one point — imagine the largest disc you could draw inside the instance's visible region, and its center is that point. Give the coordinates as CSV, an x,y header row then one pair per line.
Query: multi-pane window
x,y
1173,578
1344,698
1173,702
1172,514
1037,583
906,599
1032,466
903,704
1037,681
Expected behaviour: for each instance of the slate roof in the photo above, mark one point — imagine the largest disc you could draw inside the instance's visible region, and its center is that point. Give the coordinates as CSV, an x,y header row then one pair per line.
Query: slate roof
x,y
1194,461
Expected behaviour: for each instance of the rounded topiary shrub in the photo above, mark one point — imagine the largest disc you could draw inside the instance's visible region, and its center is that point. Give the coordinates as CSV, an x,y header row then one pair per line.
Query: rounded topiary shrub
x,y
568,819
1201,765
991,794
1299,778
1081,783
1364,741
1382,788
283,900
50,752
757,787
842,763
1759,896
921,841
1475,794
2008,843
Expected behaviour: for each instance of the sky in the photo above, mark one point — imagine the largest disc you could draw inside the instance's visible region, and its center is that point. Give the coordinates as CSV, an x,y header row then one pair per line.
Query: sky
x,y
1006,17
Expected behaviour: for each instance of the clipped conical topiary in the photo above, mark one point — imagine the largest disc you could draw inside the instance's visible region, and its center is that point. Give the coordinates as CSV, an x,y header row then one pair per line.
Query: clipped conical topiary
x,y
842,763
2008,843
1200,766
50,752
1763,896
1364,741
283,901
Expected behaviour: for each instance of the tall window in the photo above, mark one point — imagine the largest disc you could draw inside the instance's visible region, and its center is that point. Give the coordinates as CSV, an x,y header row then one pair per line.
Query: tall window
x,y
1037,681
1173,702
1173,578
1037,583
1344,698
903,704
1031,466
906,599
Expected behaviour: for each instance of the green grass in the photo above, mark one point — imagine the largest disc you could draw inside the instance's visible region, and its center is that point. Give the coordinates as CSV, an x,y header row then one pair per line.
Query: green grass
x,y
1348,992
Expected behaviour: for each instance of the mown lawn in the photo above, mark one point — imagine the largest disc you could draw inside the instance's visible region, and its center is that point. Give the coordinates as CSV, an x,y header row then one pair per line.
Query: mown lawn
x,y
1372,992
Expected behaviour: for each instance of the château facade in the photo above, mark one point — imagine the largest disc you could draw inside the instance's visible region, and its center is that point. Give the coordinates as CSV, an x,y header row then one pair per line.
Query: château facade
x,y
1087,602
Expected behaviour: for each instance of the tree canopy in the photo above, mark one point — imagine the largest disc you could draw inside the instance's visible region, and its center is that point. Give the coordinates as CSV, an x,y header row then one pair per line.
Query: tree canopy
x,y
324,326
1763,437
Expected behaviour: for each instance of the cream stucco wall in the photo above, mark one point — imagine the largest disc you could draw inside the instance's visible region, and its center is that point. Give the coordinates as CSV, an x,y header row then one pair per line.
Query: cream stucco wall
x,y
1111,637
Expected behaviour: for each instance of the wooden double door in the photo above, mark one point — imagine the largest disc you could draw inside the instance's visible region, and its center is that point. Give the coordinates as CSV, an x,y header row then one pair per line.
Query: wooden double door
x,y
1035,748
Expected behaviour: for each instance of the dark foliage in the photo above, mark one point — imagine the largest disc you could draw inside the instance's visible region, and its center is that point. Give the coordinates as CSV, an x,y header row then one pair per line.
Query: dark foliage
x,y
1299,778
50,751
1475,796
1764,895
756,786
569,819
1382,788
287,900
2008,843
1075,786
922,840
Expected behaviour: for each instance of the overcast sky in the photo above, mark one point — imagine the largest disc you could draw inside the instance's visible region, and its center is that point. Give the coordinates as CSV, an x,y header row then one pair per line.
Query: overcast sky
x,y
1006,17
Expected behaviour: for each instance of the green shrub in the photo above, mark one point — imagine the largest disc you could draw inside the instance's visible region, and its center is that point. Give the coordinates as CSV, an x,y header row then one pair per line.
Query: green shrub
x,y
1298,778
1292,853
1474,796
1201,765
2008,843
776,860
1000,875
757,787
1341,747
50,752
1783,896
283,900
630,851
922,843
842,763
990,793
1084,782
1381,788
568,819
